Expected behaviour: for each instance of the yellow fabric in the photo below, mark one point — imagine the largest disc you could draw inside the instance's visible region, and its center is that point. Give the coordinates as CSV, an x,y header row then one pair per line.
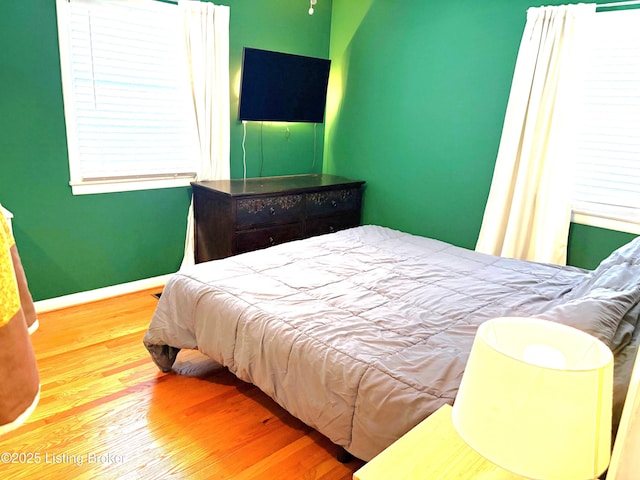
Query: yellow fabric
x,y
9,295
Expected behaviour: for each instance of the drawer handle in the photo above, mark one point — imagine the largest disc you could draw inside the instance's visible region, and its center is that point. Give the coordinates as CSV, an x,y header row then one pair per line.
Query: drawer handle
x,y
272,211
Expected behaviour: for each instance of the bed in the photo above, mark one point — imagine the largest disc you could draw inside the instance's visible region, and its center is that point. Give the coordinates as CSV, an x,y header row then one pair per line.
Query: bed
x,y
363,333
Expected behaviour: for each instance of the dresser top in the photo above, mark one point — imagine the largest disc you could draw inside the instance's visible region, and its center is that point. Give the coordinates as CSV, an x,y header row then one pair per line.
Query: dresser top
x,y
264,185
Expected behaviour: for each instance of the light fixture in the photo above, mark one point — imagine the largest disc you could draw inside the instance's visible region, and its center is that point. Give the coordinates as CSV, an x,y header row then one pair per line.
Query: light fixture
x,y
311,4
536,399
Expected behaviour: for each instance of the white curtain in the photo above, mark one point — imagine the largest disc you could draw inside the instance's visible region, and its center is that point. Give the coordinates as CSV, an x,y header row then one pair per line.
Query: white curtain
x,y
207,45
528,211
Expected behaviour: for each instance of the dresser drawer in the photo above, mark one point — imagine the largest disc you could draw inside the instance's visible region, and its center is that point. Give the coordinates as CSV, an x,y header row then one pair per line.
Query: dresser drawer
x,y
322,225
249,240
333,201
267,210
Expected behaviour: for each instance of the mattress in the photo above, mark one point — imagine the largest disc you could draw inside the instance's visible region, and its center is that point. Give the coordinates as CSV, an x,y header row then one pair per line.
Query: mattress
x,y
363,333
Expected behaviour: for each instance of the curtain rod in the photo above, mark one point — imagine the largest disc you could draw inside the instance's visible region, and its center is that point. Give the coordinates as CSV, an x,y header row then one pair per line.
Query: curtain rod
x,y
618,4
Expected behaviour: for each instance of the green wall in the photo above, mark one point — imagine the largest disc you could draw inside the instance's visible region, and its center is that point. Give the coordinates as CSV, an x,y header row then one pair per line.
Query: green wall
x,y
420,89
72,243
418,94
280,25
589,245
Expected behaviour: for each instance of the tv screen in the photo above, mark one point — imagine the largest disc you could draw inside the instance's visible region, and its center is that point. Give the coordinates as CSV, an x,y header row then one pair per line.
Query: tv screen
x,y
282,87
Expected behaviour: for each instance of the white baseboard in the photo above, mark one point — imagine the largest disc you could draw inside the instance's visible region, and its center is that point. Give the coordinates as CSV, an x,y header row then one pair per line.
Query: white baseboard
x,y
99,294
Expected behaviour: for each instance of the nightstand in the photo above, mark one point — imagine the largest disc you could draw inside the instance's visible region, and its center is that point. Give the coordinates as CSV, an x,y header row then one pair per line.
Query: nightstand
x,y
432,450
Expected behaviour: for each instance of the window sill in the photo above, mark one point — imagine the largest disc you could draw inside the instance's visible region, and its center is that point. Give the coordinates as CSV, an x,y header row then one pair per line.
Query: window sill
x,y
605,222
111,186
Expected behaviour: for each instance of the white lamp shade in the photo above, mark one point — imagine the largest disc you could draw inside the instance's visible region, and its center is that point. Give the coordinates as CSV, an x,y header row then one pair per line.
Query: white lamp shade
x,y
536,399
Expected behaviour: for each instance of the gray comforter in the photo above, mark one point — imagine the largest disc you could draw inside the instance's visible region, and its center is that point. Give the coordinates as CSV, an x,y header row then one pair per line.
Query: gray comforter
x,y
363,333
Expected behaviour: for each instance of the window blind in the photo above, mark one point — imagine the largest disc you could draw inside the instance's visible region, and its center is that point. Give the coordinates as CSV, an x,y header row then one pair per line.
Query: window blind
x,y
126,101
607,176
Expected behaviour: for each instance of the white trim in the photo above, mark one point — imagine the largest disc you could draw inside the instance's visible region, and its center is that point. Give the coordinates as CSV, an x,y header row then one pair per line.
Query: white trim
x,y
34,327
607,223
22,417
617,4
99,294
127,186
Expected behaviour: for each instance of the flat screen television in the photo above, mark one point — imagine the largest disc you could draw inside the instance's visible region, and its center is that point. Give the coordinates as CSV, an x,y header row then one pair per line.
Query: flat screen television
x,y
282,87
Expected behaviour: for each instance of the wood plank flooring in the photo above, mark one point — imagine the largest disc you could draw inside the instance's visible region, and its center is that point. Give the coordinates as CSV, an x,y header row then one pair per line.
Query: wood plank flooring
x,y
107,412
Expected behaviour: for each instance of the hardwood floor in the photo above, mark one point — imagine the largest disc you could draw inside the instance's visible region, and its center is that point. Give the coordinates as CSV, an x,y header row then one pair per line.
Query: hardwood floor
x,y
107,412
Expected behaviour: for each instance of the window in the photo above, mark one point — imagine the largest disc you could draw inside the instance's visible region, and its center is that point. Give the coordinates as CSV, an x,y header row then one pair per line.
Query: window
x,y
129,122
607,190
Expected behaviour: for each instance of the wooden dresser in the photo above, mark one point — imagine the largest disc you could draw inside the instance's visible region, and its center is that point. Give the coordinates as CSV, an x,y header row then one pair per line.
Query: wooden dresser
x,y
240,215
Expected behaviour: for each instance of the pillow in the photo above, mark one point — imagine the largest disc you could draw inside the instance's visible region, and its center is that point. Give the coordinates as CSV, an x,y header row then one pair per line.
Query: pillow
x,y
626,328
599,313
626,255
605,304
